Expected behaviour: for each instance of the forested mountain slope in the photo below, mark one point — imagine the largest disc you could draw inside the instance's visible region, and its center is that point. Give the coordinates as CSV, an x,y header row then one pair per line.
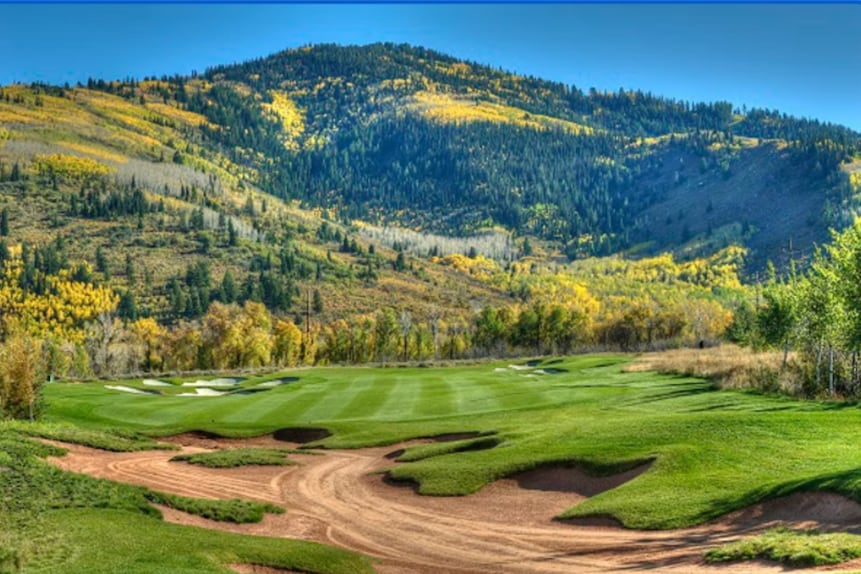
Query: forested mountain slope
x,y
395,134
390,201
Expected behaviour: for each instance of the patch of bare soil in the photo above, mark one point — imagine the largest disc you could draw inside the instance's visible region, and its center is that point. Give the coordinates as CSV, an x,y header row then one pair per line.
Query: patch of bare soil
x,y
211,441
506,527
258,569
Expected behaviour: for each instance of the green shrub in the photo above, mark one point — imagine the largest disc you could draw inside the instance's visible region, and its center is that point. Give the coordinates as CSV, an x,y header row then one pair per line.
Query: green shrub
x,y
793,547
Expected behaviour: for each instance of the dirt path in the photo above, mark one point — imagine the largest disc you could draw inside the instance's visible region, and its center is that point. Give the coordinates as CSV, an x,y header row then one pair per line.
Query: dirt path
x,y
506,527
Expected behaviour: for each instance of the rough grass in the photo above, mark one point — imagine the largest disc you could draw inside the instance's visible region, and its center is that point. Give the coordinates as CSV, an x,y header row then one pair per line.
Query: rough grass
x,y
230,458
792,547
234,510
116,440
728,365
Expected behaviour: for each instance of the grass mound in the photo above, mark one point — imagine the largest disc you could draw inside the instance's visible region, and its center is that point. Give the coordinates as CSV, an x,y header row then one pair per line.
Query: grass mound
x,y
234,457
234,510
115,440
793,547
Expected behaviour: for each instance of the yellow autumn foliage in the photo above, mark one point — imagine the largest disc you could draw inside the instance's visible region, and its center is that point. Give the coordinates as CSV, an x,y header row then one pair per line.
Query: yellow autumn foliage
x,y
478,266
186,117
291,117
99,153
447,108
69,167
62,310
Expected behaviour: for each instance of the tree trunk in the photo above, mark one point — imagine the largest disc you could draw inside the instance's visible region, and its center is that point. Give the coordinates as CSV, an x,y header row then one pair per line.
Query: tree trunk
x,y
830,370
818,365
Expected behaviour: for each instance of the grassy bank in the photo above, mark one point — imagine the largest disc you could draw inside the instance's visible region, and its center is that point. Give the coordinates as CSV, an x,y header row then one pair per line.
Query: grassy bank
x,y
55,521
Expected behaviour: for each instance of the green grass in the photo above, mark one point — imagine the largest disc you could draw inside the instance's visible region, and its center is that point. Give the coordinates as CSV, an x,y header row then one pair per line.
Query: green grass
x,y
104,541
793,547
55,521
234,510
117,440
230,458
712,451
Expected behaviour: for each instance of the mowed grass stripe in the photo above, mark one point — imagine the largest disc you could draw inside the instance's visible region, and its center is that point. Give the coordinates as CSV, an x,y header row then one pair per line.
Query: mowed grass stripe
x,y
436,397
373,392
403,394
475,395
262,406
295,409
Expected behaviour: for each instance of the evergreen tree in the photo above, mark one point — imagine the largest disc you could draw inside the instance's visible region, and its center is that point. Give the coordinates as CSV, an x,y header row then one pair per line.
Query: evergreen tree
x,y
231,233
102,264
131,276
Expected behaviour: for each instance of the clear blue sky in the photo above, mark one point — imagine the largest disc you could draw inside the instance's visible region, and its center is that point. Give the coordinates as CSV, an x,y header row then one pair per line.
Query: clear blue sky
x,y
801,59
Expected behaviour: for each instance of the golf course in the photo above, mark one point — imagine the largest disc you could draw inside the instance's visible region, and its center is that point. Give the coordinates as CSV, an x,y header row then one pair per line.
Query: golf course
x,y
558,465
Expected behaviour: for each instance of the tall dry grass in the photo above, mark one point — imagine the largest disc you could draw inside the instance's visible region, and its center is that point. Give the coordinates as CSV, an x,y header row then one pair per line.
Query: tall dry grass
x,y
729,366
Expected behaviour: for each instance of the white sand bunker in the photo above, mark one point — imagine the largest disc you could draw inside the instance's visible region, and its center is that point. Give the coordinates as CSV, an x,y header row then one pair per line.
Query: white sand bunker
x,y
156,383
213,383
125,389
203,393
520,367
270,384
500,370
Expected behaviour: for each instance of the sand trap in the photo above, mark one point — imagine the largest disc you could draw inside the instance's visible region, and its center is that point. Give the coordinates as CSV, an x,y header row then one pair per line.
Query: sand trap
x,y
213,383
156,383
125,389
823,509
500,370
301,435
573,479
337,498
520,367
203,393
277,382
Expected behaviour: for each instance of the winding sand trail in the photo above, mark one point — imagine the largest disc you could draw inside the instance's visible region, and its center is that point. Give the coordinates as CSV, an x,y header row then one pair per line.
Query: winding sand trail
x,y
507,527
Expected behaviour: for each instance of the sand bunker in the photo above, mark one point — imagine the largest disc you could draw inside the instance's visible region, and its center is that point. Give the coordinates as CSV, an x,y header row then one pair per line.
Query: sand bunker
x,y
520,367
507,527
125,389
301,435
277,382
201,392
213,383
573,479
156,383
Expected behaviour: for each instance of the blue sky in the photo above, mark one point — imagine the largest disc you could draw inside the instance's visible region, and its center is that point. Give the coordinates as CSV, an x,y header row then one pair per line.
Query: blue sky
x,y
801,59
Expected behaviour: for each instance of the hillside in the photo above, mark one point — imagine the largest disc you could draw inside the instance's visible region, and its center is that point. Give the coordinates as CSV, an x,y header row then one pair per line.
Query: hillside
x,y
392,202
406,136
395,135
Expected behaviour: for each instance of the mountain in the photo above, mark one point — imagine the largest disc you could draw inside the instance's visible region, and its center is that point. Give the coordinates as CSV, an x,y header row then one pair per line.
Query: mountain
x,y
410,137
396,177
